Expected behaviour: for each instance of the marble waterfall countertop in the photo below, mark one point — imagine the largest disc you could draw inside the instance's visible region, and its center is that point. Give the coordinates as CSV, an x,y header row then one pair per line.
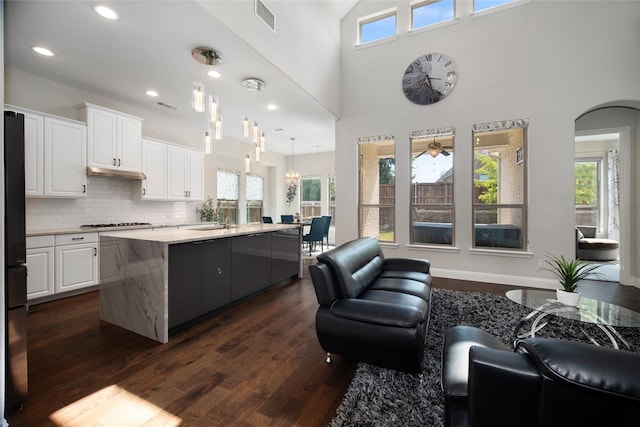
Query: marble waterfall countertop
x,y
195,233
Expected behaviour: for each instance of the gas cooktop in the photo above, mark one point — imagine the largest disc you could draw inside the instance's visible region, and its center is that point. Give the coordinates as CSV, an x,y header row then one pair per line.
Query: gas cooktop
x,y
120,224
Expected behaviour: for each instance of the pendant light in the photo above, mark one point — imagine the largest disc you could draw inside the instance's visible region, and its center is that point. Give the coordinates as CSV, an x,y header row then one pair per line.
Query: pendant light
x,y
209,57
292,178
247,163
257,148
245,126
197,101
207,141
218,129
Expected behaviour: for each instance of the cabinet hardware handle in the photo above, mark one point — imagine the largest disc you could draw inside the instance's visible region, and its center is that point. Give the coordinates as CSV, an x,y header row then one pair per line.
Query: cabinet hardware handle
x,y
198,243
95,251
144,191
84,188
119,163
114,161
77,238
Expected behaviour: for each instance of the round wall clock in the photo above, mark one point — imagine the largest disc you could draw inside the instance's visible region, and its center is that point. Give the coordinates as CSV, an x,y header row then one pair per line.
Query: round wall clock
x,y
429,78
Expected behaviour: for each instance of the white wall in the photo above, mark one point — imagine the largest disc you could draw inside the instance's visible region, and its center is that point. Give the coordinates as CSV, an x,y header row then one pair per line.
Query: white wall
x,y
542,61
305,47
36,93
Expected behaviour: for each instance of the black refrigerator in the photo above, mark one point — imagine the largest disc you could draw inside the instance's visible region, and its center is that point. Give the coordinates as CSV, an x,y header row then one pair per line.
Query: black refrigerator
x,y
15,275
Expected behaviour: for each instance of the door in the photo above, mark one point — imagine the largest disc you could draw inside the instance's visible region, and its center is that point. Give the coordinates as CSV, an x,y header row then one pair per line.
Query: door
x,y
76,266
102,127
33,154
40,281
65,158
129,143
154,166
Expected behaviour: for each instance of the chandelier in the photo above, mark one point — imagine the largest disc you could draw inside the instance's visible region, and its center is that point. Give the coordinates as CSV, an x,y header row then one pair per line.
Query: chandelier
x,y
251,128
292,178
200,102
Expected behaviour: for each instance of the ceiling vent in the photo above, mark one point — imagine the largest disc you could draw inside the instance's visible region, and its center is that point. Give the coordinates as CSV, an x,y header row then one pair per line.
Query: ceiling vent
x,y
165,105
266,15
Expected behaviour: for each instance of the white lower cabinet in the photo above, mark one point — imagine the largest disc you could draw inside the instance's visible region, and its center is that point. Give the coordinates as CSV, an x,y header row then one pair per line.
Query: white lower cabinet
x,y
40,266
76,261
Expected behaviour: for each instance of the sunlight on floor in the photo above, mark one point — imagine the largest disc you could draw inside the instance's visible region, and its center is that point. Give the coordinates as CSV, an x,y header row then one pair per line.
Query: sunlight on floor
x,y
113,406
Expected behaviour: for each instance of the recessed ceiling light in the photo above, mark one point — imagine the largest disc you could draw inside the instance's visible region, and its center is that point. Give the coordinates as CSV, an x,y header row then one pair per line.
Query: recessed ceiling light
x,y
152,93
272,107
42,51
214,74
105,12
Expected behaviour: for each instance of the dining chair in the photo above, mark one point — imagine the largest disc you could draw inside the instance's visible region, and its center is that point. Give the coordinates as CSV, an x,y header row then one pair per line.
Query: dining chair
x,y
286,219
327,225
267,220
315,234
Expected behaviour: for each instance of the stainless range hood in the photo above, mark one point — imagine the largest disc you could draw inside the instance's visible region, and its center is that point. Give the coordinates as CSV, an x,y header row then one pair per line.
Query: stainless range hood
x,y
112,173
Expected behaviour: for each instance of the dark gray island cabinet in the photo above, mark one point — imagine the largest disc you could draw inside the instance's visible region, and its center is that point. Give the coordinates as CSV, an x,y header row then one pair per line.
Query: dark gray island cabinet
x,y
170,278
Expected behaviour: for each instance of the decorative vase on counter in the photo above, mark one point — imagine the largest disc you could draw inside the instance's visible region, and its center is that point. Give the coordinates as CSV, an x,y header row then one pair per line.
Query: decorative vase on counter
x,y
571,299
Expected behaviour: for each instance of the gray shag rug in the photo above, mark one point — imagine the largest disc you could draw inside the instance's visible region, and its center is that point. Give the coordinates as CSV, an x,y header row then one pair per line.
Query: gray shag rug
x,y
385,397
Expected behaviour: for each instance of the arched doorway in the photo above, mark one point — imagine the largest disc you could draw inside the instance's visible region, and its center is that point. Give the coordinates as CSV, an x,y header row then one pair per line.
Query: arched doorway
x,y
603,133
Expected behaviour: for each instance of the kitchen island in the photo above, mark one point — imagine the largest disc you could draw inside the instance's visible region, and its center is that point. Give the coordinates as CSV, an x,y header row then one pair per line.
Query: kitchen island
x,y
152,281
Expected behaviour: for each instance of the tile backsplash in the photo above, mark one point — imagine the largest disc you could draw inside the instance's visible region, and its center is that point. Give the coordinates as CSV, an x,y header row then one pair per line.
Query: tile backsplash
x,y
108,201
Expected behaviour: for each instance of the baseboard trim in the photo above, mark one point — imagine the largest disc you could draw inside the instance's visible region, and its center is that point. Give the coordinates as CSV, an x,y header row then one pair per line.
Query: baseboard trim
x,y
501,279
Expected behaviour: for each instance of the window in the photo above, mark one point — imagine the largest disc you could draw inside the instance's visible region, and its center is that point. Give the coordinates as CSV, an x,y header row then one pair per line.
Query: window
x,y
499,171
228,194
377,187
255,196
332,198
587,191
431,207
479,5
377,27
310,196
425,13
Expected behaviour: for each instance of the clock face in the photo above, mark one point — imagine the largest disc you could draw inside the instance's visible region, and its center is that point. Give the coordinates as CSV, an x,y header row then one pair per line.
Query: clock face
x,y
429,79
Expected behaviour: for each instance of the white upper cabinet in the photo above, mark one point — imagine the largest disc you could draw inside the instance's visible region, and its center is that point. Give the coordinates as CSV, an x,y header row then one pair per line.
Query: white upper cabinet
x,y
154,166
33,154
55,155
114,138
65,158
185,168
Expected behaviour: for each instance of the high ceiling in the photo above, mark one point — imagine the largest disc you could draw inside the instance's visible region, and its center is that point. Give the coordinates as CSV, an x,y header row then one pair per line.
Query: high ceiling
x,y
149,47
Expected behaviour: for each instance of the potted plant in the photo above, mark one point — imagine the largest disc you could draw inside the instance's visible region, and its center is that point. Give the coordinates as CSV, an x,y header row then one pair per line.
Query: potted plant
x,y
208,212
569,273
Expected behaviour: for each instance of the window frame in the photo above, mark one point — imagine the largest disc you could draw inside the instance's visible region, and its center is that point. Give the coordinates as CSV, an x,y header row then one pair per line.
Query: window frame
x,y
375,17
432,133
493,127
253,204
228,207
331,201
601,178
418,4
363,206
313,205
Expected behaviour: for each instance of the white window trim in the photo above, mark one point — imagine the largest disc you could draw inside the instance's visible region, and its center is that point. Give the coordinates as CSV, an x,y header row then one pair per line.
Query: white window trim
x,y
372,18
420,3
496,9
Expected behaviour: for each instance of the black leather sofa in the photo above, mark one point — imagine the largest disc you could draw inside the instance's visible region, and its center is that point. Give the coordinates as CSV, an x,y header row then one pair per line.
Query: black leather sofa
x,y
543,383
372,309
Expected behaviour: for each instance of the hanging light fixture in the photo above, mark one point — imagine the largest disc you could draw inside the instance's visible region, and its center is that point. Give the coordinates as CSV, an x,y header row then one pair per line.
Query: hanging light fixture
x,y
218,128
263,142
247,163
257,148
245,126
214,108
434,148
292,178
206,56
197,101
251,129
207,141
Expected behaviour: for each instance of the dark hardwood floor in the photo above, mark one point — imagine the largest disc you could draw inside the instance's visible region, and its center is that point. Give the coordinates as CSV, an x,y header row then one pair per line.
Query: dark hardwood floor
x,y
257,363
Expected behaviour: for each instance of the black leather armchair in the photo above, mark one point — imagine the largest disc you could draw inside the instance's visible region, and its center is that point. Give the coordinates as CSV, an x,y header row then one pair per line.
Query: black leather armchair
x,y
543,383
372,309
